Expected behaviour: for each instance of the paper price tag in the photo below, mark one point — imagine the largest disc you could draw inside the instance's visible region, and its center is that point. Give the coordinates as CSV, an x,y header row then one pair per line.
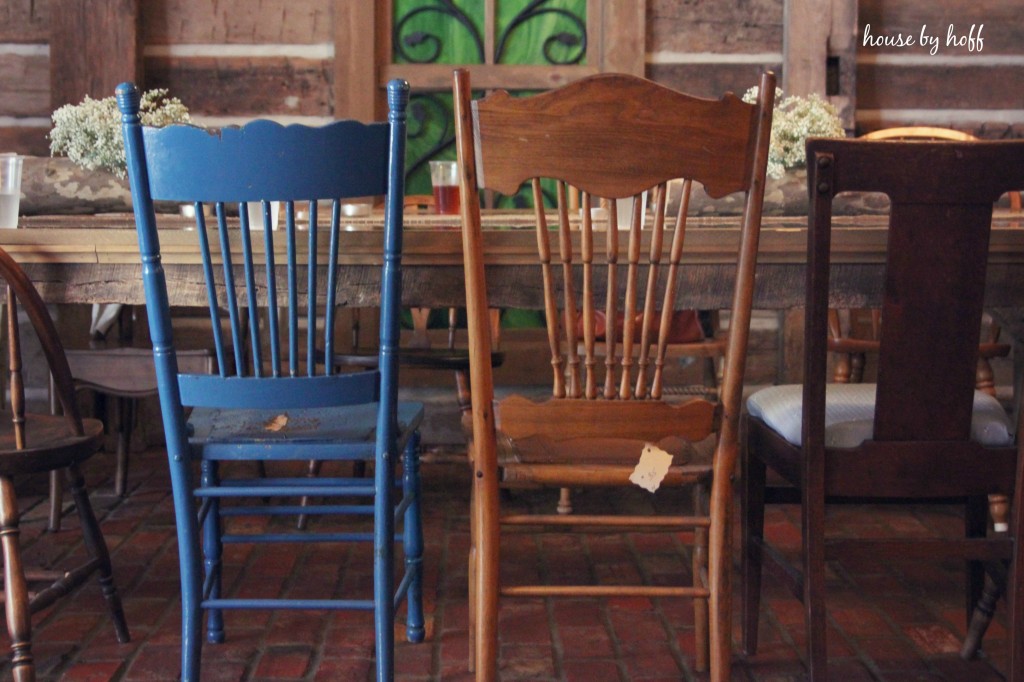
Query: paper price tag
x,y
651,469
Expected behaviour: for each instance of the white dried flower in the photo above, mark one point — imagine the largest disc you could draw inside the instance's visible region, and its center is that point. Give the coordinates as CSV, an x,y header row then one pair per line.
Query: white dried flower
x,y
795,119
90,133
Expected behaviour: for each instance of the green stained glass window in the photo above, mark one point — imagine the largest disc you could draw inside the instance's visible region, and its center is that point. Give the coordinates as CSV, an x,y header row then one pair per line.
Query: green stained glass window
x,y
526,32
541,32
438,32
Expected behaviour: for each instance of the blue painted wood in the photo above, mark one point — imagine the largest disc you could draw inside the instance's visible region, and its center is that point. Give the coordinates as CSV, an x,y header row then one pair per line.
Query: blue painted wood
x,y
204,390
253,409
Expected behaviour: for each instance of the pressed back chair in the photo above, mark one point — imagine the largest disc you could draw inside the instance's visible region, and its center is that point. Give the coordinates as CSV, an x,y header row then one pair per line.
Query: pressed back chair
x,y
281,405
611,136
39,443
918,434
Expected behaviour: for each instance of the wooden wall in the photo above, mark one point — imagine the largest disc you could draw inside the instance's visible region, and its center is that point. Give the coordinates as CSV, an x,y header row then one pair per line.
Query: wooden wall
x,y
235,59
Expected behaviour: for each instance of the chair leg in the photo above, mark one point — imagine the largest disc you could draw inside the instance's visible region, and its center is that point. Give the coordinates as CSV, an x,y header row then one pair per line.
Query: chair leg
x,y
383,565
751,558
212,551
97,548
412,533
813,555
189,559
472,583
720,578
19,623
486,530
126,419
312,472
995,582
699,568
56,501
1015,591
975,526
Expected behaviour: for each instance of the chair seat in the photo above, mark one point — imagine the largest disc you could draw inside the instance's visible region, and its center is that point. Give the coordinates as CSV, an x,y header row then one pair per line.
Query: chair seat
x,y
49,444
850,410
312,433
129,372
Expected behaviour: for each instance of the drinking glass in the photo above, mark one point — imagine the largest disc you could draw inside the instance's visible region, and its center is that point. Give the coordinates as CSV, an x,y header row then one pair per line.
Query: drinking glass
x,y
444,177
10,189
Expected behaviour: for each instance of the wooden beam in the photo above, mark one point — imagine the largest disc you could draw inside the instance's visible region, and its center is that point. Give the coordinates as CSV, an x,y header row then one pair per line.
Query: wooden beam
x,y
355,52
806,28
623,37
94,46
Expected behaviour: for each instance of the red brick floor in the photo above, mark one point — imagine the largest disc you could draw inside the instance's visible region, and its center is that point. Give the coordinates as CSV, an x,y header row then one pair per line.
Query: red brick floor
x,y
888,620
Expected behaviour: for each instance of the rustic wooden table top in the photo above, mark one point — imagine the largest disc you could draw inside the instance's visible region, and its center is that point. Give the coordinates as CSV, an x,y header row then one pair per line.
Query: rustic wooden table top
x,y
94,258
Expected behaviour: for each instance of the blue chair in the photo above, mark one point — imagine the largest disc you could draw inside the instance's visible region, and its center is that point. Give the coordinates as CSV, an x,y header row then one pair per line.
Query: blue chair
x,y
255,409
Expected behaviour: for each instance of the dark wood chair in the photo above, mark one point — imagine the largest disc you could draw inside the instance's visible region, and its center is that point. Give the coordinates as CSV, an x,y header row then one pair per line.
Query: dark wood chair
x,y
612,136
918,434
122,375
39,443
850,348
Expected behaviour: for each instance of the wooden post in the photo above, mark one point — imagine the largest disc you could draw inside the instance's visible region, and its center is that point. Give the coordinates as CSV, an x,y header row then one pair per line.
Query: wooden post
x,y
819,44
357,27
806,28
94,46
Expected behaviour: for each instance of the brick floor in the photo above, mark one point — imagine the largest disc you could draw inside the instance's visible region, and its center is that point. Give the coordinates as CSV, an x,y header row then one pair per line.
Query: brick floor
x,y
887,620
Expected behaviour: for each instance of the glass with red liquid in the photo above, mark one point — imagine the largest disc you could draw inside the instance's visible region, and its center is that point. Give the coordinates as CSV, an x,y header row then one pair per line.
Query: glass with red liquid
x,y
444,177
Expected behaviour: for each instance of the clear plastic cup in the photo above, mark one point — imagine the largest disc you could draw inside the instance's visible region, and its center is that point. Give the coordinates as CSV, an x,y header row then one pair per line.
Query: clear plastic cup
x,y
444,177
10,189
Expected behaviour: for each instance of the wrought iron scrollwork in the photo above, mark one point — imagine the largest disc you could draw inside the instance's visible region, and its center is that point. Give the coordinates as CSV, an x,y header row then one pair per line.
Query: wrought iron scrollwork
x,y
564,39
430,126
417,41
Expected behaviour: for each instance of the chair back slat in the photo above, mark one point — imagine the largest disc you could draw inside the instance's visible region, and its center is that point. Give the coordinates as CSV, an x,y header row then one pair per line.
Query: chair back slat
x,y
668,304
550,303
293,295
941,198
572,359
272,294
211,289
231,298
587,261
611,252
229,168
650,291
250,290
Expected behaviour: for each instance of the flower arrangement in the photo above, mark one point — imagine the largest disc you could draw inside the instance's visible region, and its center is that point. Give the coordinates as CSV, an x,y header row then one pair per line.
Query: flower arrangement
x,y
90,133
795,119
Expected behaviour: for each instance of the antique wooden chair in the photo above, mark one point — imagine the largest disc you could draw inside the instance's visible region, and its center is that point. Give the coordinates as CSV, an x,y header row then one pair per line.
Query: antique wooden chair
x,y
850,349
918,433
612,136
37,443
283,406
123,374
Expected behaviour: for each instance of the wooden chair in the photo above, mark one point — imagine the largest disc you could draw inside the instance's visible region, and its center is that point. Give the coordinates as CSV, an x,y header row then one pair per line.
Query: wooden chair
x,y
919,433
851,350
38,443
612,136
282,406
125,375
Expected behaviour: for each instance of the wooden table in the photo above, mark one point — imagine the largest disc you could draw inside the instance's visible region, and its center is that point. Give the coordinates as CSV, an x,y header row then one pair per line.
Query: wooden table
x,y
88,259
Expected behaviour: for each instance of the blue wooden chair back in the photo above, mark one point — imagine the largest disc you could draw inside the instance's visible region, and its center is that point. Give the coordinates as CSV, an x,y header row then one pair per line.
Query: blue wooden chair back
x,y
273,362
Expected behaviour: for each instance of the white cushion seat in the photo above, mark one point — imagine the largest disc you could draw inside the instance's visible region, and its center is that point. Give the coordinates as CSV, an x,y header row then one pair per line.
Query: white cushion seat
x,y
850,412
